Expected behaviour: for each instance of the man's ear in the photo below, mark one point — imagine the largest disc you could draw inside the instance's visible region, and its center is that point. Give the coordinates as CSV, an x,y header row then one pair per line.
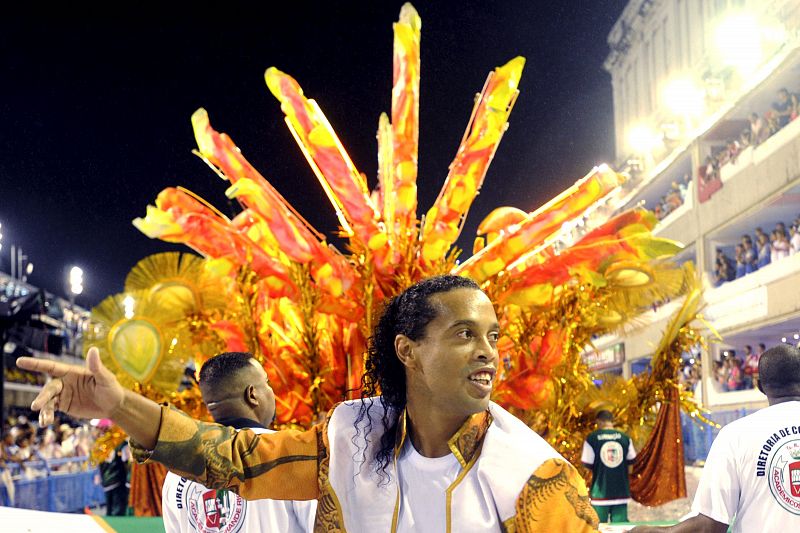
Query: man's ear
x,y
404,348
250,397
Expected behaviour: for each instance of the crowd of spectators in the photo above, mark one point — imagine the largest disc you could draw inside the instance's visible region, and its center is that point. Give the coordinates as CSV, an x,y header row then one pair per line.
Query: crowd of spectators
x,y
760,128
751,254
736,372
674,197
27,444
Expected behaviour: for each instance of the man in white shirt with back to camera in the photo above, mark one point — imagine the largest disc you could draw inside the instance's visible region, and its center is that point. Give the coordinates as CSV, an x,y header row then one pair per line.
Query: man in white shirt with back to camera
x,y
236,391
753,469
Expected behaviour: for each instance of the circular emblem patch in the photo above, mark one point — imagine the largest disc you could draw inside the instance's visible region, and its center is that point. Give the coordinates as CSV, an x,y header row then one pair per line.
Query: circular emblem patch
x,y
215,511
784,476
611,454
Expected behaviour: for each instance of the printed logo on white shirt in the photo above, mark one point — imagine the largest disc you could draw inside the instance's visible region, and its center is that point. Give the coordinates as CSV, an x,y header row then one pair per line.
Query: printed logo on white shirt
x,y
214,511
784,476
611,454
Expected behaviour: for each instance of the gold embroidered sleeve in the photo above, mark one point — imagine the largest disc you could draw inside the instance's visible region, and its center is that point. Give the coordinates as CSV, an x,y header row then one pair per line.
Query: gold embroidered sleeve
x,y
554,499
278,466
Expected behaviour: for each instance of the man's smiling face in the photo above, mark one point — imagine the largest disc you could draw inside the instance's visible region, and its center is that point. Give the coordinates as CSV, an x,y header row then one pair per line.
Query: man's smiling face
x,y
455,361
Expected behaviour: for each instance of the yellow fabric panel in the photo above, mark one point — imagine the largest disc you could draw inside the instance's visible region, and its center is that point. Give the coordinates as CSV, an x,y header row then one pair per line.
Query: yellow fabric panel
x,y
555,498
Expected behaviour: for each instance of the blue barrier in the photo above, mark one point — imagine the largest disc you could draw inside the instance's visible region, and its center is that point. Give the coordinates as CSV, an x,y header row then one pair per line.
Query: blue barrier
x,y
698,437
61,492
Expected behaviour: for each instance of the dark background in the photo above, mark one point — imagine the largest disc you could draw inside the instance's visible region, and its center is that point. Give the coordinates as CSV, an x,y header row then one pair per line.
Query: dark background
x,y
95,111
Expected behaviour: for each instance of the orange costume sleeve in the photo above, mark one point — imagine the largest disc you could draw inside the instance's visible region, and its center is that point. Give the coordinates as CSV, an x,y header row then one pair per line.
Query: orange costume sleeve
x,y
280,466
554,499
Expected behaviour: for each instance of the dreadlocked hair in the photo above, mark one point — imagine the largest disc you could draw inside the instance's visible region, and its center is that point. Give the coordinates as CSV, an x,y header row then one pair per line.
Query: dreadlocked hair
x,y
408,313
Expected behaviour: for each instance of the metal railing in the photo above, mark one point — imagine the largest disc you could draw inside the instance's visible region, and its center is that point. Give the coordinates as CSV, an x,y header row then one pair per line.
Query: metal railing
x,y
57,485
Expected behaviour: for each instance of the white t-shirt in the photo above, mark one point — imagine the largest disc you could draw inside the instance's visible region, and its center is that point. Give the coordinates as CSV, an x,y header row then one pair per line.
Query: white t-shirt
x,y
423,486
753,472
795,242
189,507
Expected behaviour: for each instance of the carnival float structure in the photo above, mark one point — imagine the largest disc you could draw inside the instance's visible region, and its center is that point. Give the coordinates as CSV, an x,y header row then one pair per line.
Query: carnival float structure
x,y
267,282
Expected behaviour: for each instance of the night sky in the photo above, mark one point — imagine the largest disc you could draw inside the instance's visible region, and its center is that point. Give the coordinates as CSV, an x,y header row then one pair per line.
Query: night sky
x,y
95,111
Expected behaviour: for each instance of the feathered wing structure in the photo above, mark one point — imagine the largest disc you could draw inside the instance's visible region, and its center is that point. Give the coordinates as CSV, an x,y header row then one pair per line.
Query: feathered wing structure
x,y
305,309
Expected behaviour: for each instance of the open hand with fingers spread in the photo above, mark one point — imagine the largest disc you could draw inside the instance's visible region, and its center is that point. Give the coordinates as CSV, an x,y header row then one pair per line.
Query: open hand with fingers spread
x,y
83,392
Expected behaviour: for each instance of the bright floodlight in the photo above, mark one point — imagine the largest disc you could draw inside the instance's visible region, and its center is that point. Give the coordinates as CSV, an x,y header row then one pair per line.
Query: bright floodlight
x,y
128,304
683,97
738,39
643,139
76,280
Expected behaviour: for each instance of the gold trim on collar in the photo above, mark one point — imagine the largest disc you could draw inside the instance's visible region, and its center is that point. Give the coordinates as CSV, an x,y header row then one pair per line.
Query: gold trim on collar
x,y
464,442
467,440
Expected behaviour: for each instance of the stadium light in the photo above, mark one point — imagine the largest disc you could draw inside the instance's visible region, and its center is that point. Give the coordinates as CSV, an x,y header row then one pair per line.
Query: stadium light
x,y
683,97
128,304
738,39
643,139
75,281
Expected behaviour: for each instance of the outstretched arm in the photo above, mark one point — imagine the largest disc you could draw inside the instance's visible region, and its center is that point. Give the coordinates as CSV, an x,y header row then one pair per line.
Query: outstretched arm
x,y
93,392
280,465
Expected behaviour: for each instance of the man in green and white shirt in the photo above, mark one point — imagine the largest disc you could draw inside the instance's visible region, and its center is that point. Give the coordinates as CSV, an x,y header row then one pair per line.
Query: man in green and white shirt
x,y
608,452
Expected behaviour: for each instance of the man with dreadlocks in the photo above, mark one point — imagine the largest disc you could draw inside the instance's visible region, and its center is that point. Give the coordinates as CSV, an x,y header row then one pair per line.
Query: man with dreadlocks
x,y
432,453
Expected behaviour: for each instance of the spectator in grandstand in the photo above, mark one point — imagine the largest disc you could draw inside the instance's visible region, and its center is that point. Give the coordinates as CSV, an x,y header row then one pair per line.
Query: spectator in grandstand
x,y
25,445
771,119
710,169
683,185
48,447
780,246
759,131
723,271
794,239
764,251
750,254
735,376
785,108
674,197
9,451
750,366
68,440
744,138
741,267
694,377
750,473
721,374
732,150
83,441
